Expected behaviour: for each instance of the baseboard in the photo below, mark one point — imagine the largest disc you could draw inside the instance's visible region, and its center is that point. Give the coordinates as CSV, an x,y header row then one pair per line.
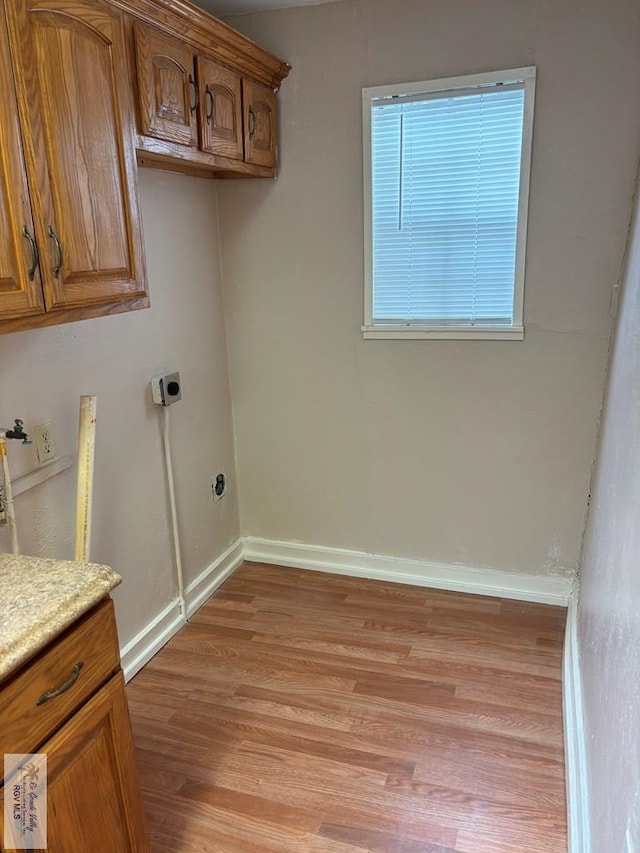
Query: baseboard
x,y
199,590
151,639
159,631
547,590
575,754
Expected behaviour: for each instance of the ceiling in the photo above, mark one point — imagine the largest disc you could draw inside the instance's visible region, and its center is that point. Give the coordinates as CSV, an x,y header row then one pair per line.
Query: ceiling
x,y
241,7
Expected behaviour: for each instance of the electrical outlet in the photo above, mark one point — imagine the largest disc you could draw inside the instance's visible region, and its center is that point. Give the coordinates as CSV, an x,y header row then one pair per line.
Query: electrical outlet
x,y
219,486
45,444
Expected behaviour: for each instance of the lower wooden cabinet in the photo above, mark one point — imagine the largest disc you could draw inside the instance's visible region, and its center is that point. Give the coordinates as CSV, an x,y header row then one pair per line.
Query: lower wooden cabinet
x,y
82,725
93,798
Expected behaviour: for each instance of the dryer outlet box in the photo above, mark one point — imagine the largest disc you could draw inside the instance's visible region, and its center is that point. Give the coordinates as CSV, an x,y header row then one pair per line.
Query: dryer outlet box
x,y
166,389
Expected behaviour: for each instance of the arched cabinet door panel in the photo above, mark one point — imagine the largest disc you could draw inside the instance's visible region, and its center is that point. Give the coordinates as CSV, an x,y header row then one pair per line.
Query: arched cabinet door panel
x,y
166,86
220,110
74,95
259,108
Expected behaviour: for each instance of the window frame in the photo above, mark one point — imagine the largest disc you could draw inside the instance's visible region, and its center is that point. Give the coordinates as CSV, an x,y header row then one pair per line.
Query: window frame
x,y
514,331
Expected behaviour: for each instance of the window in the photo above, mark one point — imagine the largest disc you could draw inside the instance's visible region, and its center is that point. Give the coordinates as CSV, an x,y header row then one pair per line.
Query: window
x,y
446,174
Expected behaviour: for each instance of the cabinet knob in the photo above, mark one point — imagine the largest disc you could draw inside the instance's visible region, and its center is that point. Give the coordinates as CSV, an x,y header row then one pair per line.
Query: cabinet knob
x,y
59,255
34,252
252,123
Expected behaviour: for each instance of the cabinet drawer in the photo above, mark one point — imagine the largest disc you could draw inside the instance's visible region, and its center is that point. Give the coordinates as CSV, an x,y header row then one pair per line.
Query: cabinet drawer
x,y
85,656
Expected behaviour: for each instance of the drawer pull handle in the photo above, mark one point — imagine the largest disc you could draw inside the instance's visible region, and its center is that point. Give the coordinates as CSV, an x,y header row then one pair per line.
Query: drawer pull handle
x,y
252,123
51,694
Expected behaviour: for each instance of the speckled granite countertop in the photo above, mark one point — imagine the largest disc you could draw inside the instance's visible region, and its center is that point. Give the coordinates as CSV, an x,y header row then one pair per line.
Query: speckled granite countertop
x,y
39,598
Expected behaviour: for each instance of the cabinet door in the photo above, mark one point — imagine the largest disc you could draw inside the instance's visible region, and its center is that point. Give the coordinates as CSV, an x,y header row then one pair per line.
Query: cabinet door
x,y
20,289
259,107
220,110
76,111
94,800
166,87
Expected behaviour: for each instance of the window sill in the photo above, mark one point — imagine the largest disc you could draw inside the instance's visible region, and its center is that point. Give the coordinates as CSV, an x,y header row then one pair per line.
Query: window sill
x,y
447,333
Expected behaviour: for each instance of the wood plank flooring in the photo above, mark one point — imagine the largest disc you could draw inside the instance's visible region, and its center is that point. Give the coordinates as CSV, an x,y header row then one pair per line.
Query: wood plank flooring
x,y
303,711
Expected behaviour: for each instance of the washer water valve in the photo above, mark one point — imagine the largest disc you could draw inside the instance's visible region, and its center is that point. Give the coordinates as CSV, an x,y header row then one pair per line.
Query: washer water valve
x,y
17,431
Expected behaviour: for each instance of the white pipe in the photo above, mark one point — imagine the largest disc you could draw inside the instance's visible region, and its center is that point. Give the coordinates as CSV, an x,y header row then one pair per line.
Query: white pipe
x,y
8,494
166,443
84,492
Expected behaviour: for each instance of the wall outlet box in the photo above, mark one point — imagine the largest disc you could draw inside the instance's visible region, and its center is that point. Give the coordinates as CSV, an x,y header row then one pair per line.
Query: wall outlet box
x,y
45,443
166,389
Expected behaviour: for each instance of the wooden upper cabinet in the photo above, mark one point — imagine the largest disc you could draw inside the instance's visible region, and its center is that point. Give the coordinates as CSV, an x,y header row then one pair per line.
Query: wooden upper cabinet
x,y
168,95
186,99
207,103
220,113
70,231
20,288
74,95
259,108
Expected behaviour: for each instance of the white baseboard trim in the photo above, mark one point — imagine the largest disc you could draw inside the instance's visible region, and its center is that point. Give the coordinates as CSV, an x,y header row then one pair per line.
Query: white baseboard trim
x,y
575,754
159,631
139,650
546,590
151,639
199,590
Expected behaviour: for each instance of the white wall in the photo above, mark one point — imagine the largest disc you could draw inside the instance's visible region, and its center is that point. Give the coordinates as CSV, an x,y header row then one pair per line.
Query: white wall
x,y
452,451
44,372
609,603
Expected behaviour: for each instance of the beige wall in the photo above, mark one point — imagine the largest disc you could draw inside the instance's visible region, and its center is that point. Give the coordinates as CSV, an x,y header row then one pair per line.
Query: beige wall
x,y
453,451
608,622
44,373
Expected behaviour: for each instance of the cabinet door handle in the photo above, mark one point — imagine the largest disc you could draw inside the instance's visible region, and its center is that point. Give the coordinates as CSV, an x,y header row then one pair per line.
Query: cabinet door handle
x,y
34,253
51,694
252,123
196,95
212,104
59,255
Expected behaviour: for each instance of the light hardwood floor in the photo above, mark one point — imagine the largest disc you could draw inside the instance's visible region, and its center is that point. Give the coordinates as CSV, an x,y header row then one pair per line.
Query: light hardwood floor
x,y
302,711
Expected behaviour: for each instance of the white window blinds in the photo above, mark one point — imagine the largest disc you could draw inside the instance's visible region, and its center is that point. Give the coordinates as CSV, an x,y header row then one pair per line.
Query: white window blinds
x,y
445,181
